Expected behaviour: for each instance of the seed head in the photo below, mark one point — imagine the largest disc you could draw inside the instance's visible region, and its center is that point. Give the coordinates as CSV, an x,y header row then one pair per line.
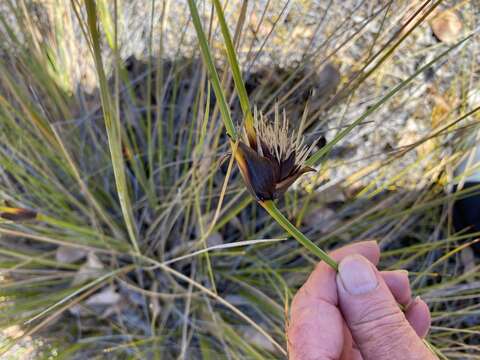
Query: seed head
x,y
274,157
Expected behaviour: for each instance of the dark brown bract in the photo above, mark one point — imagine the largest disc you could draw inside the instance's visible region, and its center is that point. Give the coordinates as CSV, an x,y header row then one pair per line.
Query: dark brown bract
x,y
273,159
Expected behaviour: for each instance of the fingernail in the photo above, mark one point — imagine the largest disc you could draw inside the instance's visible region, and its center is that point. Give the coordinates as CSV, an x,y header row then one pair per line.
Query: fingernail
x,y
402,271
413,302
357,275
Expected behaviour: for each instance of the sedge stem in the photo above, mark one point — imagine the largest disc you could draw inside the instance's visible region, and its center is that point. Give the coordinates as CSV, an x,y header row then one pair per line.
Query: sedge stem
x,y
297,234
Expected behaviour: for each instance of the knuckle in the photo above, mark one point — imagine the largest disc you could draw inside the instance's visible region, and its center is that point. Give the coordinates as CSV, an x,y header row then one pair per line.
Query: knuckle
x,y
381,323
379,316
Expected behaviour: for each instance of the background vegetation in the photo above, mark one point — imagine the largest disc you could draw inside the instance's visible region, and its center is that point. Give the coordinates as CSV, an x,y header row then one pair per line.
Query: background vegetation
x,y
141,244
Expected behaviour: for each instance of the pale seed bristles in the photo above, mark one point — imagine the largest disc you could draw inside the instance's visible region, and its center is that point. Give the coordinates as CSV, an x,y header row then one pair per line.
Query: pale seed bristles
x,y
278,138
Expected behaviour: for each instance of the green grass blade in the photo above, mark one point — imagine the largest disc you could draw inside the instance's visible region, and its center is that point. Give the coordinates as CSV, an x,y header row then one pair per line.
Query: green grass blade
x,y
113,126
297,234
237,75
212,71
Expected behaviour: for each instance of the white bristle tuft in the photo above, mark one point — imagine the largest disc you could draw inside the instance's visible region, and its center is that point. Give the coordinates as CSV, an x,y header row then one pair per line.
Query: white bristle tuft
x,y
279,139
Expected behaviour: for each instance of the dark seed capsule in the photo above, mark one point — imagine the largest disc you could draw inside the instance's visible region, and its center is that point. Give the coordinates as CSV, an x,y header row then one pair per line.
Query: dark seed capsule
x,y
273,160
18,214
258,172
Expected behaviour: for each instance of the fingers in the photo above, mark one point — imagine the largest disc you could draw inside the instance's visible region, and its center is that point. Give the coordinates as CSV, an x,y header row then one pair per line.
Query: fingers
x,y
368,249
316,332
350,351
355,355
417,312
418,315
371,312
321,282
347,343
317,327
398,283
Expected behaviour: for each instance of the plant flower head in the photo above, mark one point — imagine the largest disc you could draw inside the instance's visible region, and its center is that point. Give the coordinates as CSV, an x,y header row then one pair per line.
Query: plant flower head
x,y
273,158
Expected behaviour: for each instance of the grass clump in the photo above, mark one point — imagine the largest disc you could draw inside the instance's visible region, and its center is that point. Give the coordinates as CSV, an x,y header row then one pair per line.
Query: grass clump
x,y
140,243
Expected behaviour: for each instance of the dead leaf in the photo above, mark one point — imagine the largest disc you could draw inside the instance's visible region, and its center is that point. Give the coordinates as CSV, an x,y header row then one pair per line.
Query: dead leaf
x,y
13,332
90,270
443,104
68,255
428,148
257,31
108,296
446,26
408,138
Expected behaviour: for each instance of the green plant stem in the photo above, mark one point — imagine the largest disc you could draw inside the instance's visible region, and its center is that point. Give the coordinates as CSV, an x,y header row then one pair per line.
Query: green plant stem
x,y
113,127
297,234
237,75
212,71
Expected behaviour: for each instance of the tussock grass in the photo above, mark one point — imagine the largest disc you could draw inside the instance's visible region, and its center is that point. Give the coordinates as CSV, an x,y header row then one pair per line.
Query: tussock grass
x,y
123,169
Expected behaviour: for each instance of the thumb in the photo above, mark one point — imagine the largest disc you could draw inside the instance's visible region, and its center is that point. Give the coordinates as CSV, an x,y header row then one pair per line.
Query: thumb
x,y
377,324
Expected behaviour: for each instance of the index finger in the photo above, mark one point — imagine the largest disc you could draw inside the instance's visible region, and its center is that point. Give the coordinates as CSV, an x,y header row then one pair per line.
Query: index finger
x,y
321,284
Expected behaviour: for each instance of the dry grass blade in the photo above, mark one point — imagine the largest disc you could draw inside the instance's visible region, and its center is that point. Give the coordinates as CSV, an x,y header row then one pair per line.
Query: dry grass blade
x,y
124,235
113,126
221,301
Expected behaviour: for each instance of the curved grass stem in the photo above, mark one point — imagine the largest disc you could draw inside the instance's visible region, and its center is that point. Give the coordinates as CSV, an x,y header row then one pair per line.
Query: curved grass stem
x,y
297,234
113,127
212,71
236,73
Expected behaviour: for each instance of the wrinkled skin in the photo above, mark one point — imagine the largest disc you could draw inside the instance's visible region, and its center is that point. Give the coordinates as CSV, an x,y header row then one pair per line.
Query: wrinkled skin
x,y
327,322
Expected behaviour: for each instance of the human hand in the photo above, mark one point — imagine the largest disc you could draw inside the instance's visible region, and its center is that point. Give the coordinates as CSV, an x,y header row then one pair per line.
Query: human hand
x,y
354,314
